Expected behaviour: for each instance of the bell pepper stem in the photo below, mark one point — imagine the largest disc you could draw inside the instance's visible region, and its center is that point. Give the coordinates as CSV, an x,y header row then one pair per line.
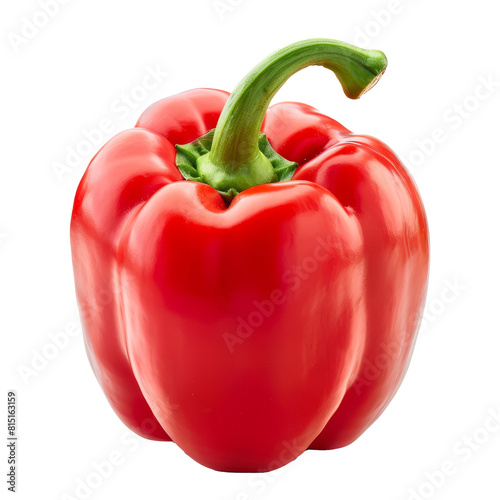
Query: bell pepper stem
x,y
234,161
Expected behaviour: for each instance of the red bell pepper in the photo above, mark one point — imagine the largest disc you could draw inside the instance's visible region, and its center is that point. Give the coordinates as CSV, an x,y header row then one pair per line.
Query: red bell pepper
x,y
250,295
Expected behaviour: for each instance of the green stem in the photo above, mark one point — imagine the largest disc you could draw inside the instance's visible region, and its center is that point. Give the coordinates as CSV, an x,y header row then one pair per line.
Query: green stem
x,y
234,161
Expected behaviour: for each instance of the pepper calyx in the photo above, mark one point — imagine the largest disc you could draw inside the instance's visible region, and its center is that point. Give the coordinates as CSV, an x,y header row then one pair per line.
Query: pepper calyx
x,y
189,156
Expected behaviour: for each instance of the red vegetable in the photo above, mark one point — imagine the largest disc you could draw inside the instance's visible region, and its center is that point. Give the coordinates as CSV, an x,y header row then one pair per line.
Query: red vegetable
x,y
247,315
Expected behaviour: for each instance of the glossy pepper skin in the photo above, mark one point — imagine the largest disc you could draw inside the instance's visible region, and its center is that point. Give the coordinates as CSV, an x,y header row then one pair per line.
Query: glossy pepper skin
x,y
250,330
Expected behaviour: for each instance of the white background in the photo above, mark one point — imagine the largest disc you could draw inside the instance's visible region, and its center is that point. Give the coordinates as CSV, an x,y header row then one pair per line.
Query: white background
x,y
76,69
